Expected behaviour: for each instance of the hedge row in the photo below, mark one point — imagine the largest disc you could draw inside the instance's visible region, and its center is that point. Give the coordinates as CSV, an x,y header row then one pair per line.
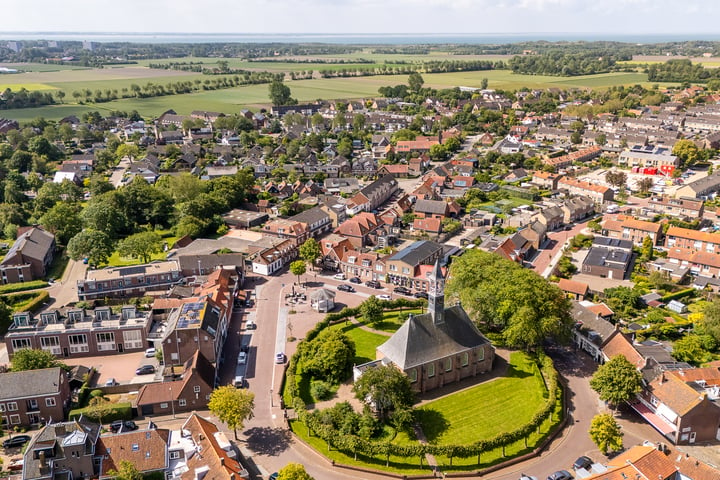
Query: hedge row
x,y
120,411
679,294
21,287
351,444
28,302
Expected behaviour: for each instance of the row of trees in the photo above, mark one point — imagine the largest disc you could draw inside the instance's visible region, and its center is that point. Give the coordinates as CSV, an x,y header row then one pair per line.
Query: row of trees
x,y
565,63
24,98
683,70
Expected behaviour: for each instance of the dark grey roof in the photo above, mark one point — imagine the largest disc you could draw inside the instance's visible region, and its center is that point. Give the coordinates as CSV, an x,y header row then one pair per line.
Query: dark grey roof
x,y
419,340
322,294
34,243
604,257
612,243
431,206
591,322
29,383
416,252
313,215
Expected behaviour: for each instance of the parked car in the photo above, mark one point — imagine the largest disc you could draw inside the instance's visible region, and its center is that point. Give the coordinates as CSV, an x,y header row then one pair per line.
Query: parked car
x,y
249,303
250,325
373,284
15,465
150,352
345,288
420,295
245,348
402,290
582,462
384,297
560,475
242,358
280,357
339,276
111,382
16,441
274,476
124,425
527,477
355,280
145,370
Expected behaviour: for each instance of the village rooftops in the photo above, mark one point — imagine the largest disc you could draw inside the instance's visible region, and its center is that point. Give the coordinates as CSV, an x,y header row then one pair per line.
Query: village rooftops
x,y
116,273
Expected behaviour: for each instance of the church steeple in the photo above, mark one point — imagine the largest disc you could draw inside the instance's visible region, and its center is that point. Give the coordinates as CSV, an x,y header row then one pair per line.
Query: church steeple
x,y
436,295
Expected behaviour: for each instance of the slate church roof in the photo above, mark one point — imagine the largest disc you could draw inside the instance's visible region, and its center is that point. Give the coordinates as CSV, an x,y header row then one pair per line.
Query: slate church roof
x,y
420,340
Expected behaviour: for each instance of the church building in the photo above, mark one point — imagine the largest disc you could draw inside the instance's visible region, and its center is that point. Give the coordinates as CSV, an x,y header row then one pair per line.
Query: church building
x,y
439,347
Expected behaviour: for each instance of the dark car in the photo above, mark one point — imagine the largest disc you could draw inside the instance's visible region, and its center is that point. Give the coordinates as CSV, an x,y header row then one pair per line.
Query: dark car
x,y
345,288
373,284
355,280
420,295
145,370
16,441
560,475
245,348
402,290
582,462
124,425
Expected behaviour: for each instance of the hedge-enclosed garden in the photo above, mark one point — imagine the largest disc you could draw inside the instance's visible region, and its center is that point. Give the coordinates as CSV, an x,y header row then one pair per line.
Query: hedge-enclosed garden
x,y
468,430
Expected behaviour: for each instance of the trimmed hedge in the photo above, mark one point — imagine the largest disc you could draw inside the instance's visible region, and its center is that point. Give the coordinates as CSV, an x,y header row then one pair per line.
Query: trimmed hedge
x,y
23,286
352,444
679,294
27,302
120,411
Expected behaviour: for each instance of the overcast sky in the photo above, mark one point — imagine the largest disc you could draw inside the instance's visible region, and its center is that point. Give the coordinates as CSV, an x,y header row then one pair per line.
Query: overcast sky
x,y
626,17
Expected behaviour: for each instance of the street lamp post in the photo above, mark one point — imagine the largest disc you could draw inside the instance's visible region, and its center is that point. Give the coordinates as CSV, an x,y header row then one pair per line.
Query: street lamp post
x,y
271,399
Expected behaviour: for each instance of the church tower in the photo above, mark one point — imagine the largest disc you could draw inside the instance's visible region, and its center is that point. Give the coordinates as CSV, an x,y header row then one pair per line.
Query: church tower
x,y
436,295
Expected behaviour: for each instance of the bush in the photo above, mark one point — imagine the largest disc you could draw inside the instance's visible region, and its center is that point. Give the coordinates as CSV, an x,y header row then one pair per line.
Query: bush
x,y
27,302
682,293
97,393
320,390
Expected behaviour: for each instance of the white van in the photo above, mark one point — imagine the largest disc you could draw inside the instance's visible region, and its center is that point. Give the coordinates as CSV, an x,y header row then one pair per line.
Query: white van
x,y
612,208
239,382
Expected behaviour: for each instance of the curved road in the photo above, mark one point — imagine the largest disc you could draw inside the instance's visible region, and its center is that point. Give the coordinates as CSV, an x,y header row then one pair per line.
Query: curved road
x,y
274,447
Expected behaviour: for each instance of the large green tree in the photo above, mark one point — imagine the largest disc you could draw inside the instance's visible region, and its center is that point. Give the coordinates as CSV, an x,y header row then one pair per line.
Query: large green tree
x,y
710,323
63,221
415,82
280,93
232,406
501,295
293,471
606,433
298,268
329,356
686,151
91,244
386,388
617,381
104,216
310,251
31,359
371,310
141,245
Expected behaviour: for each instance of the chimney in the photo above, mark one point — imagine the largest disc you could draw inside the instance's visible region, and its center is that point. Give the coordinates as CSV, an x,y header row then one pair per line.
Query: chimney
x,y
222,461
60,430
43,461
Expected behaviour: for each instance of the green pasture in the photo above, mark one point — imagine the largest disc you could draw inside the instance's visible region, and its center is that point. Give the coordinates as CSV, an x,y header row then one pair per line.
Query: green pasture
x,y
365,342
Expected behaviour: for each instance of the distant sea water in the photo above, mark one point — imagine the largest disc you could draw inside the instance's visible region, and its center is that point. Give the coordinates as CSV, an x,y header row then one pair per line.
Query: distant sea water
x,y
374,39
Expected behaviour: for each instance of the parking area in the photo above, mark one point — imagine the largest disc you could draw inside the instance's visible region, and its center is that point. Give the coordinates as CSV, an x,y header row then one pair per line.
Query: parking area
x,y
121,367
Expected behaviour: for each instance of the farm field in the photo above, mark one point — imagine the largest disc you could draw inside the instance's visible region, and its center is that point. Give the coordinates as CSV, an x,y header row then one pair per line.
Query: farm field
x,y
255,96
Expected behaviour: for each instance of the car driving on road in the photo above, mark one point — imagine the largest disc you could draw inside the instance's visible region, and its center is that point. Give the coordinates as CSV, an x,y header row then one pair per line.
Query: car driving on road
x,y
345,288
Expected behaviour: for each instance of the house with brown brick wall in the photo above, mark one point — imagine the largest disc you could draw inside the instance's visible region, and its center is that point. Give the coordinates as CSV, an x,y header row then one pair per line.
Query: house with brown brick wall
x,y
33,397
272,254
577,208
440,347
439,209
402,266
76,332
190,392
598,193
432,226
574,289
372,196
131,281
29,258
361,230
679,239
628,228
547,180
683,404
686,208
366,266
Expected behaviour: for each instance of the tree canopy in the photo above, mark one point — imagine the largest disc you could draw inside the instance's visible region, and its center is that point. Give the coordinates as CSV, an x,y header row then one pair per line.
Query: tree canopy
x,y
310,251
386,388
606,433
293,471
126,471
141,245
500,295
616,381
280,94
232,406
94,245
31,359
371,310
329,356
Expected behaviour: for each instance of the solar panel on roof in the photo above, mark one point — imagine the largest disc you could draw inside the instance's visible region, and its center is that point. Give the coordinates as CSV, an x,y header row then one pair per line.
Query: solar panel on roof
x,y
131,270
